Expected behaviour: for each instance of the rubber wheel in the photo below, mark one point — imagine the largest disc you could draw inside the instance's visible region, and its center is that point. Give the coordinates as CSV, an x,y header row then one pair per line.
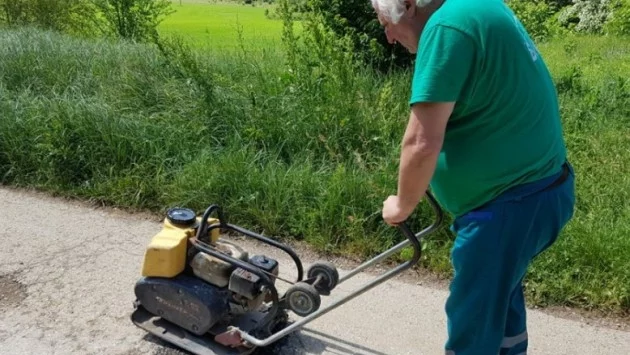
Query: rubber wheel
x,y
303,299
329,273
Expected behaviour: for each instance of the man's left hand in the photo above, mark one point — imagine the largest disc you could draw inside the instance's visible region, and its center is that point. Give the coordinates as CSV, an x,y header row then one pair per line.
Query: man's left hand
x,y
394,211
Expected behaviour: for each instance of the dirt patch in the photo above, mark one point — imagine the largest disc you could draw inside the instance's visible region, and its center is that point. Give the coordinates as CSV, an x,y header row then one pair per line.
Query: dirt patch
x,y
12,292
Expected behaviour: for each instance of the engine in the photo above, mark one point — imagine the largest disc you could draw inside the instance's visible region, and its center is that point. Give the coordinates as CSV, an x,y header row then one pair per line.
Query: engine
x,y
193,289
184,300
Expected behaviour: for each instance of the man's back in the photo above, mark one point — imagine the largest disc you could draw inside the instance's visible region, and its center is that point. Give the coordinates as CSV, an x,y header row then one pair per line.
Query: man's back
x,y
505,129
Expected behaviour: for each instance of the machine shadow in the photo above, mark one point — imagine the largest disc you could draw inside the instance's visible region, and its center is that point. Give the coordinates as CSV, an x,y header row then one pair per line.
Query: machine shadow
x,y
302,342
165,348
313,342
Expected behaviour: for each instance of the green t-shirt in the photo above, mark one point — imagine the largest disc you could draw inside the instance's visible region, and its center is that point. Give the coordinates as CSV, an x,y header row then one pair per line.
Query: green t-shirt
x,y
505,129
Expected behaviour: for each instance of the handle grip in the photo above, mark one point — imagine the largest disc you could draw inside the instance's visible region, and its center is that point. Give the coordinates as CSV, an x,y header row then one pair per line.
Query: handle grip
x,y
414,239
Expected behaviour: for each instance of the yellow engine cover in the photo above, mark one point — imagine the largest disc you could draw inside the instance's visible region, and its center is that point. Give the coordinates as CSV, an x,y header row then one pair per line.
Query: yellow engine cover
x,y
165,256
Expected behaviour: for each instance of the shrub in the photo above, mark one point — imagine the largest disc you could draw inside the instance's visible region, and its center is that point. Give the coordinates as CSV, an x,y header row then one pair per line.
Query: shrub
x,y
298,9
536,16
587,16
357,21
619,20
70,16
134,19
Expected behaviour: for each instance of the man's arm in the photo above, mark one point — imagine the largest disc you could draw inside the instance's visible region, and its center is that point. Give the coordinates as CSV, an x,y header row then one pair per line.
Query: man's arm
x,y
444,65
421,146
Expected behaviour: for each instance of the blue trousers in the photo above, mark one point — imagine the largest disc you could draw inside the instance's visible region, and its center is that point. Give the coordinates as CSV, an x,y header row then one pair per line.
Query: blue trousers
x,y
493,248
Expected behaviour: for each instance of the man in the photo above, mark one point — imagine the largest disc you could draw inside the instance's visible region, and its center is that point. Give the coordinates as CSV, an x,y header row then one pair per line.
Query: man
x,y
485,133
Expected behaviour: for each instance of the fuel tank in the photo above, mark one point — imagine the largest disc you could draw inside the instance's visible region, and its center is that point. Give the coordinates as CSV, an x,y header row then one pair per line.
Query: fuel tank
x,y
165,256
186,301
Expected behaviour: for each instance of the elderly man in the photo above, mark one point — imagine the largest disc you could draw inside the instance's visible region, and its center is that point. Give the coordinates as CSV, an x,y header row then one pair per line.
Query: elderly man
x,y
485,133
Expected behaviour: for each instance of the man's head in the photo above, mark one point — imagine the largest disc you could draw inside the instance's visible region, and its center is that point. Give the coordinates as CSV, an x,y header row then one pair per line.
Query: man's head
x,y
404,20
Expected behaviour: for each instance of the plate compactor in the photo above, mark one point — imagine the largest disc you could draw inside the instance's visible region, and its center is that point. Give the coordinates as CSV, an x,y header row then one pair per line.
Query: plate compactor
x,y
209,296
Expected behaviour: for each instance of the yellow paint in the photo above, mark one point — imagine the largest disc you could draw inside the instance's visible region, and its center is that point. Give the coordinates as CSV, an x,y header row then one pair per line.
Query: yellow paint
x,y
215,233
165,255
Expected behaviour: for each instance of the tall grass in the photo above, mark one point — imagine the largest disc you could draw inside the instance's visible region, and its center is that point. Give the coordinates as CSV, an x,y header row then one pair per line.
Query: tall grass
x,y
303,146
144,127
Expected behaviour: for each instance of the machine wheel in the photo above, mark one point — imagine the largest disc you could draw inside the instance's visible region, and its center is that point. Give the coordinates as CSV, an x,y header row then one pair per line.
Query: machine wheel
x,y
329,274
303,299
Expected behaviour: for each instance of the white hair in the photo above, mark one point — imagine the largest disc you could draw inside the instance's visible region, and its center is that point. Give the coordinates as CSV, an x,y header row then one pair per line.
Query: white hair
x,y
394,9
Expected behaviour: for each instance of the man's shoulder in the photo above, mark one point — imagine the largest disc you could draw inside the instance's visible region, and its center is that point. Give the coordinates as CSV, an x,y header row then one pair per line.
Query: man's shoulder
x,y
474,18
471,9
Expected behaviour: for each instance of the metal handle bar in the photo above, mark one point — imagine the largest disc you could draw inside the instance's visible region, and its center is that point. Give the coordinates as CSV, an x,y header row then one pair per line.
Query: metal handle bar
x,y
283,247
412,238
224,225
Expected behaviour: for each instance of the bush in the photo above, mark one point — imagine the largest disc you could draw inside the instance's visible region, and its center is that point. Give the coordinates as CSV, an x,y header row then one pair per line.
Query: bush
x,y
619,20
70,16
586,16
129,19
357,21
559,4
297,8
537,17
134,19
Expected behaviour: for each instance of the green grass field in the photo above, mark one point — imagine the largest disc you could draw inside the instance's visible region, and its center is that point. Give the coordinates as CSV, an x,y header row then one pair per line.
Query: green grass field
x,y
597,57
307,152
221,26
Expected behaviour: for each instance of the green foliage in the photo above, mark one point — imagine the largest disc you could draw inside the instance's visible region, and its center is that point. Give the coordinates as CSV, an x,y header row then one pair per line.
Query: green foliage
x,y
134,19
558,4
619,20
357,21
536,16
320,55
586,16
130,19
306,154
70,16
298,9
15,12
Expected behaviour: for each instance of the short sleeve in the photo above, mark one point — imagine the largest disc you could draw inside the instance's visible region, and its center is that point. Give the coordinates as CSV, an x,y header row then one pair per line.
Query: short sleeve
x,y
443,65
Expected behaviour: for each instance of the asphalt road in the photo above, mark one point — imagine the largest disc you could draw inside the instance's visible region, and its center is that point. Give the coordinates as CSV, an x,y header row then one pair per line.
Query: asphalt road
x,y
67,273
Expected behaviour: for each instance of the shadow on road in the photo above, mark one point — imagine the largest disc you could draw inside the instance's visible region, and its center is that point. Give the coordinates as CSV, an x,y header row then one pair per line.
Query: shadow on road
x,y
313,342
304,342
